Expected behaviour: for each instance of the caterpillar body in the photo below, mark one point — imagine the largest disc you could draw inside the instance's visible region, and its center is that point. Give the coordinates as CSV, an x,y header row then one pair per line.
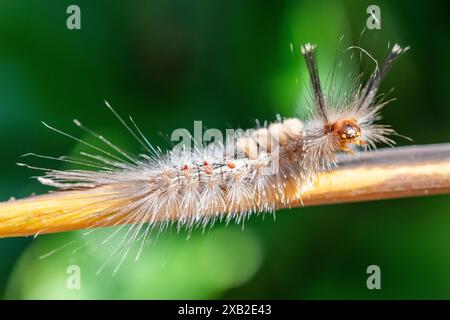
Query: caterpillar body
x,y
264,167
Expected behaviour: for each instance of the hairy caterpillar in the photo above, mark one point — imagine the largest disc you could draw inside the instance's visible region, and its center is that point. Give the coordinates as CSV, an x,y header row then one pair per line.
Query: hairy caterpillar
x,y
225,181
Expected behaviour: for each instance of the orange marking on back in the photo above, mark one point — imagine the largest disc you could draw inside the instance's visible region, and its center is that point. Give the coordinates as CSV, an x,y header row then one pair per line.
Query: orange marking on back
x,y
231,165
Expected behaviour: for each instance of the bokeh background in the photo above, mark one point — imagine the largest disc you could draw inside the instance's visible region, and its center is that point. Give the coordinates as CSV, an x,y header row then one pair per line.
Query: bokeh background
x,y
226,63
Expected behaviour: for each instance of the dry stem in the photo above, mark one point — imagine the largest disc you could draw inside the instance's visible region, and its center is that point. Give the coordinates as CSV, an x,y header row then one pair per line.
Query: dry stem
x,y
387,173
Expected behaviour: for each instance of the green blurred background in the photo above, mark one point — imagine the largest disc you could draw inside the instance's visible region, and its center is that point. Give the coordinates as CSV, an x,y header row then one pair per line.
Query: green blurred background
x,y
169,63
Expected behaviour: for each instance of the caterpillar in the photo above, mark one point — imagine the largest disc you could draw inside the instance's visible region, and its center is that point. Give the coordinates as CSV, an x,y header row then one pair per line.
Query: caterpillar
x,y
269,165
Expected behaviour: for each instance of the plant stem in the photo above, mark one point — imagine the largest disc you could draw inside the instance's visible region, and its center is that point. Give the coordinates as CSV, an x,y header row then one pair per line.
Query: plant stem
x,y
387,173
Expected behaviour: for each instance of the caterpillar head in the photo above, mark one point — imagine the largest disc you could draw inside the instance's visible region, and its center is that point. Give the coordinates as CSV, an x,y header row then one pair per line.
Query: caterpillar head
x,y
347,132
352,124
